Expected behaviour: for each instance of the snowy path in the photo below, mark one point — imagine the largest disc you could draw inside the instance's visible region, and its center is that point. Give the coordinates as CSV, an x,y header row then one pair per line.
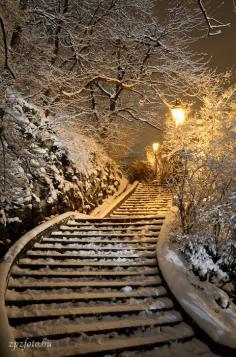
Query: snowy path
x,y
93,287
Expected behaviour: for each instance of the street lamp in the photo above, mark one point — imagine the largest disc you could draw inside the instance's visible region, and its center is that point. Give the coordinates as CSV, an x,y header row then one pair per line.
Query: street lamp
x,y
155,147
178,113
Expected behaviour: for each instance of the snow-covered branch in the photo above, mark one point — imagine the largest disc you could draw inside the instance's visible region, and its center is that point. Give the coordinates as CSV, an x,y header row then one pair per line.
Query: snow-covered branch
x,y
103,79
214,25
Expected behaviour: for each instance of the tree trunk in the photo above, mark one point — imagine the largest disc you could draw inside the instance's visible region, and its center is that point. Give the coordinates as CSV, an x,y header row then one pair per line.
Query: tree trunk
x,y
112,105
16,37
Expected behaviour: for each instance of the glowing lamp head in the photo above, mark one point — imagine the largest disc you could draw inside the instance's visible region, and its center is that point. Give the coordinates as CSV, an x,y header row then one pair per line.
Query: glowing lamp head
x,y
155,147
178,114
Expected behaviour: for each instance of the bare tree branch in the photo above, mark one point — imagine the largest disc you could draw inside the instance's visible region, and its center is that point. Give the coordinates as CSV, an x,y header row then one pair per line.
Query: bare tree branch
x,y
131,112
214,25
105,79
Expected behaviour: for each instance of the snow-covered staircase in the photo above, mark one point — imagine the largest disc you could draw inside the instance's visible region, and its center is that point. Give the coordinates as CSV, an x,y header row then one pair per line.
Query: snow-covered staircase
x,y
146,200
93,287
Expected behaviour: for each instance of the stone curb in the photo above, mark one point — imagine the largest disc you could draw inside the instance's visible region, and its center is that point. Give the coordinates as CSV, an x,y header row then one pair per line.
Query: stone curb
x,y
196,297
123,196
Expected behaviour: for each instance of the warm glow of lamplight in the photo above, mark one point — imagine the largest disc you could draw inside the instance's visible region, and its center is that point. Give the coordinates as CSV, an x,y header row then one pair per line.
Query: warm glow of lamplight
x,y
155,146
178,115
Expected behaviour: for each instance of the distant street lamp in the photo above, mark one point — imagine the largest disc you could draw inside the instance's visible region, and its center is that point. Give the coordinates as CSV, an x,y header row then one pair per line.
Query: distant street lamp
x,y
178,113
155,147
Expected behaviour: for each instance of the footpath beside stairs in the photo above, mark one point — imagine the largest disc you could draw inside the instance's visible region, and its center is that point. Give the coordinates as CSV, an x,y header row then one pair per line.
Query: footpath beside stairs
x,y
93,287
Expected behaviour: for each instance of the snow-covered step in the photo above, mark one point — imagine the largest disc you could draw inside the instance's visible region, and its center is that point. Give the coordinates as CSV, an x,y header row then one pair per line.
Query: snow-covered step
x,y
156,210
156,337
90,254
131,214
114,220
52,283
43,310
154,195
119,220
68,295
135,240
97,246
149,195
54,327
139,203
121,224
100,234
140,212
16,271
142,208
105,229
76,263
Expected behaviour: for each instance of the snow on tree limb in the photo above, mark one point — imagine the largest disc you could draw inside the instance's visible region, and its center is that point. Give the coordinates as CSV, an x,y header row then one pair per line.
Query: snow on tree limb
x,y
110,55
214,25
105,79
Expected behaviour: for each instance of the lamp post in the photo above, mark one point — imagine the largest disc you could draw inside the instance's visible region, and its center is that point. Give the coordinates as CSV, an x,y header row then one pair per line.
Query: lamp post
x,y
178,113
155,147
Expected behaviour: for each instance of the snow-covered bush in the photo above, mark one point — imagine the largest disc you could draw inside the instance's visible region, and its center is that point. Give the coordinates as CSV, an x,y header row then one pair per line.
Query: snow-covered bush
x,y
206,259
141,170
45,171
204,186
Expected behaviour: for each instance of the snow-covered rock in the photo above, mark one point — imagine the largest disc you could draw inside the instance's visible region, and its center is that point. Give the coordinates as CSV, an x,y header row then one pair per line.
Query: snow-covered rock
x,y
48,172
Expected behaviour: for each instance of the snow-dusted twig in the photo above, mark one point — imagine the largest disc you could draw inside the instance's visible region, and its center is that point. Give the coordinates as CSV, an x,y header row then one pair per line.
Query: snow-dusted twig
x,y
234,4
214,25
104,79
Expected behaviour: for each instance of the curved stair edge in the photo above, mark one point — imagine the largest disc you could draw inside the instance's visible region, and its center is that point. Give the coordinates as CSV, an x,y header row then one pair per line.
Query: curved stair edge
x,y
6,335
106,209
218,325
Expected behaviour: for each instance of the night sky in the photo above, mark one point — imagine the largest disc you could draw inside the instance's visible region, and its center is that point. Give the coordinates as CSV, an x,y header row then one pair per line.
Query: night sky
x,y
222,48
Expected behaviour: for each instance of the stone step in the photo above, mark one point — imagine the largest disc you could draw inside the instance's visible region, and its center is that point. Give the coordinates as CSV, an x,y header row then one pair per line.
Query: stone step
x,y
54,283
133,240
45,310
16,271
111,247
37,296
153,222
57,328
104,229
92,234
26,262
86,254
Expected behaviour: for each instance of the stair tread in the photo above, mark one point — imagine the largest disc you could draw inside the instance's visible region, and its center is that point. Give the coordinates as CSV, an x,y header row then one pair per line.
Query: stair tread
x,y
181,331
45,310
34,330
130,262
35,296
23,283
124,272
108,241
